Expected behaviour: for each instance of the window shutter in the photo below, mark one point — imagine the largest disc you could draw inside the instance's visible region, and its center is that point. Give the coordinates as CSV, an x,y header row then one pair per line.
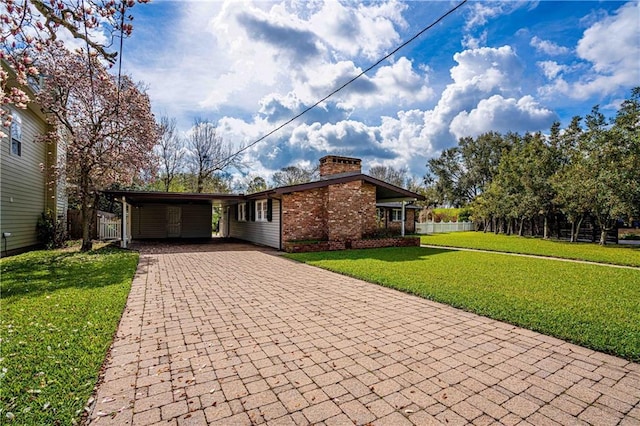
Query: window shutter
x,y
252,210
269,210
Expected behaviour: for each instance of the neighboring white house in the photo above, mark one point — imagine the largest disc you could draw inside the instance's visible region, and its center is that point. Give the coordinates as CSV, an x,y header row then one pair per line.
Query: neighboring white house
x,y
28,184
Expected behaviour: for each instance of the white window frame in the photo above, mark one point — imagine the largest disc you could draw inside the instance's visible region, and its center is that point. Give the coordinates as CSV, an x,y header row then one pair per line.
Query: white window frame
x,y
16,135
261,211
396,215
242,212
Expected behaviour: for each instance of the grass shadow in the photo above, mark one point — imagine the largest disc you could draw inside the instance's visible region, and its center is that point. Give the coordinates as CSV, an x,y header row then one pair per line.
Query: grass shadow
x,y
387,254
36,273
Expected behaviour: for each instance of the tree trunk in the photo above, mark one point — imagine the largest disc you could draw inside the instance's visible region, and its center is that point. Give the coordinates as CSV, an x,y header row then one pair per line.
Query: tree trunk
x,y
87,244
575,239
521,229
509,226
571,237
603,236
200,187
546,228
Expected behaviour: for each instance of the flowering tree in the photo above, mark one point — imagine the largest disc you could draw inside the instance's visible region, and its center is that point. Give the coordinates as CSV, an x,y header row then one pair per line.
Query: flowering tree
x,y
110,130
27,27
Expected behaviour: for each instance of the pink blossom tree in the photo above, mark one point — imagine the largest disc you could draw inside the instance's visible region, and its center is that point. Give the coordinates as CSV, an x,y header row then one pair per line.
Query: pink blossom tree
x,y
110,130
29,26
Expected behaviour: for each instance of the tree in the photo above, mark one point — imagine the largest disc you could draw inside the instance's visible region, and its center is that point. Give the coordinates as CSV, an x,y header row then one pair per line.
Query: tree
x,y
208,152
170,150
613,161
30,26
293,175
253,184
463,172
397,177
110,131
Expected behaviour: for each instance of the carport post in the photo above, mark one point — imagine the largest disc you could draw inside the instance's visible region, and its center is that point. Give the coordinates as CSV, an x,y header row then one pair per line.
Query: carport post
x,y
404,216
123,224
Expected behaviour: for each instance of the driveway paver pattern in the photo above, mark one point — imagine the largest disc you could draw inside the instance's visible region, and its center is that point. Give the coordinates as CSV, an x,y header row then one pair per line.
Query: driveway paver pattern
x,y
234,335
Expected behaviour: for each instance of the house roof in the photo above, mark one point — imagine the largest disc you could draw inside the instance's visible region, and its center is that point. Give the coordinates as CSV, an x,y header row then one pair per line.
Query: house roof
x,y
384,191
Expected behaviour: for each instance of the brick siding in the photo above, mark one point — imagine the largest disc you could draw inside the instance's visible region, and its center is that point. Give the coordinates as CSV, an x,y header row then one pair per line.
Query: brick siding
x,y
304,215
409,225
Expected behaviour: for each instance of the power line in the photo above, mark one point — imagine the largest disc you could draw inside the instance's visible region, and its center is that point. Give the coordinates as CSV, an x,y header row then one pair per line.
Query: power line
x,y
384,58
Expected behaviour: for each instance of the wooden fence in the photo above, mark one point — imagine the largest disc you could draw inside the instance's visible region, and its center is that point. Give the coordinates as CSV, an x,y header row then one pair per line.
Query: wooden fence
x,y
438,227
109,228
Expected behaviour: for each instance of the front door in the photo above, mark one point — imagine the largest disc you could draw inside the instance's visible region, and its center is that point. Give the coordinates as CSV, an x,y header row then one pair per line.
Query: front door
x,y
174,221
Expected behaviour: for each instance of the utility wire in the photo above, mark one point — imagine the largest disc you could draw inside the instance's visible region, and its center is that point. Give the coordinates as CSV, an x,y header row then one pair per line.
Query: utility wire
x,y
384,58
120,57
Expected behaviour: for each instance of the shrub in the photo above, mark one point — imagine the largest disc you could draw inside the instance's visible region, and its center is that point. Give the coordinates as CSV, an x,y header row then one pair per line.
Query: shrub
x,y
464,215
381,233
51,231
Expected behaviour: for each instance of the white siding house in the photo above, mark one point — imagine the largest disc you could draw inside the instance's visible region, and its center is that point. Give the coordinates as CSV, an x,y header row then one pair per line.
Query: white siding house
x,y
254,226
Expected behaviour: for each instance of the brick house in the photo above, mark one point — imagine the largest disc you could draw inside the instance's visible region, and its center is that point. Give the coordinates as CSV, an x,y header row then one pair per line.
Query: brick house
x,y
340,210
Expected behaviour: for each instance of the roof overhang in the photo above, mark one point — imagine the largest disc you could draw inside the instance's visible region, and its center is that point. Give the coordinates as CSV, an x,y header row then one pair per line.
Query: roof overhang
x,y
144,197
385,192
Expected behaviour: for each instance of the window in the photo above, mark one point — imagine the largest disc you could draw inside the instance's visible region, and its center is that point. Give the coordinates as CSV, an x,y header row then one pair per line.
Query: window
x,y
242,212
396,215
261,210
16,134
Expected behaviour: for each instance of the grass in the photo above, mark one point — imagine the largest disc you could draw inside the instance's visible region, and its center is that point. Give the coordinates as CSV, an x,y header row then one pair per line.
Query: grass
x,y
590,305
616,255
60,310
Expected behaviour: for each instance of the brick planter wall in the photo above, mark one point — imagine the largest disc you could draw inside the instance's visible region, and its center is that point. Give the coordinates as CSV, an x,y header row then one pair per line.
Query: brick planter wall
x,y
386,242
302,247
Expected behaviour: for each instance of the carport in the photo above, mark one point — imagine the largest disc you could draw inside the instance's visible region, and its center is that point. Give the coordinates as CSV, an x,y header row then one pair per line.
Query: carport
x,y
168,215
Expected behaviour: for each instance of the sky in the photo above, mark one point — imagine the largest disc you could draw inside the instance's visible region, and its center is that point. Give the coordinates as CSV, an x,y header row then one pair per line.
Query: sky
x,y
249,66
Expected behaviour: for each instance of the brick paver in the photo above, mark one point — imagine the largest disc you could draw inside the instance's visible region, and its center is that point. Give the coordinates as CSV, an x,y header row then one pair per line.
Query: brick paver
x,y
232,334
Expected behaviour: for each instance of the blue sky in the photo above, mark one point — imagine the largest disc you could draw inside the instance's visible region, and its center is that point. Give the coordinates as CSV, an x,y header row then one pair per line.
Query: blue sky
x,y
250,65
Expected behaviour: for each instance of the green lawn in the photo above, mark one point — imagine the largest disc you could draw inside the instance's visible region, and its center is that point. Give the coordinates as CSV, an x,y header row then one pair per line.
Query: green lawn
x,y
591,305
613,254
60,310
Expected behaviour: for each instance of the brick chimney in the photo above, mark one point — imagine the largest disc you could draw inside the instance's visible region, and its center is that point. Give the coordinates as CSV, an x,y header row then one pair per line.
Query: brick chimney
x,y
335,165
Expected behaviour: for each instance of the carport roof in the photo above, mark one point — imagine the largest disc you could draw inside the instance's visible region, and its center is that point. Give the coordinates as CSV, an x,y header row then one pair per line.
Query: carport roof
x,y
139,197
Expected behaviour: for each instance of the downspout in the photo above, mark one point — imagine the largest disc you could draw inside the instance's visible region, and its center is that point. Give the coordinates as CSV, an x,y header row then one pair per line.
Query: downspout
x,y
123,243
404,217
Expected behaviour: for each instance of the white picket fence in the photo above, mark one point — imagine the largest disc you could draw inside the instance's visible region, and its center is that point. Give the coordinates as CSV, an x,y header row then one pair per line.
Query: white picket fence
x,y
109,228
437,227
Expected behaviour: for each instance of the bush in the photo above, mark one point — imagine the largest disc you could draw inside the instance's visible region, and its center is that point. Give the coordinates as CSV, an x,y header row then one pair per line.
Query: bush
x,y
51,231
464,215
381,233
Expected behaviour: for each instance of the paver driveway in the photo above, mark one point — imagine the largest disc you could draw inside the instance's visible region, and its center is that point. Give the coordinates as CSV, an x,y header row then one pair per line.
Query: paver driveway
x,y
229,334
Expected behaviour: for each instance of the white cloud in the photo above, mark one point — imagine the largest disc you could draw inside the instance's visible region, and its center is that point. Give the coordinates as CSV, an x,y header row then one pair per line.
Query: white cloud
x,y
470,42
480,12
611,48
551,69
548,47
502,115
484,95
